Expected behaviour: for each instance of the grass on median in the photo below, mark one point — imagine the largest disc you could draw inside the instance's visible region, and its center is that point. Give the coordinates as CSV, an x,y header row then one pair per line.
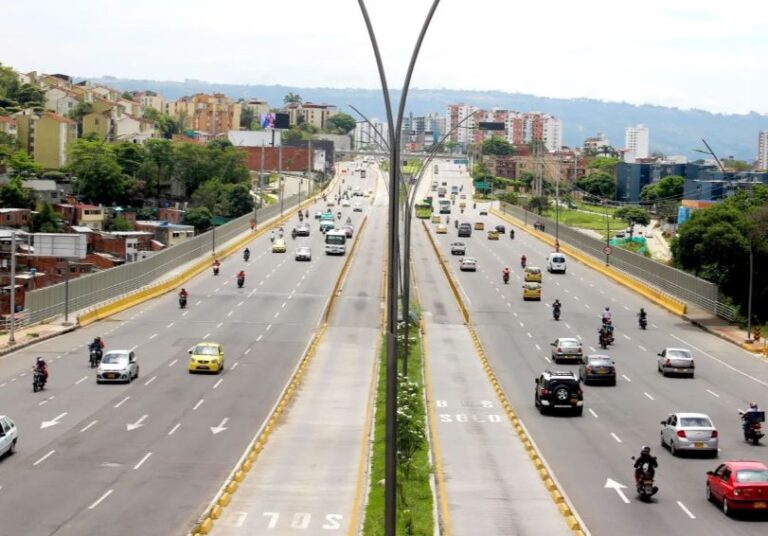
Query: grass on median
x,y
414,501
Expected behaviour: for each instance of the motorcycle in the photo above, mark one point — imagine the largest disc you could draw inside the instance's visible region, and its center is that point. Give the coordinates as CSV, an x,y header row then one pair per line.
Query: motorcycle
x,y
556,313
182,302
38,381
505,277
522,263
215,270
240,282
604,340
643,322
644,484
246,255
95,357
512,234
753,429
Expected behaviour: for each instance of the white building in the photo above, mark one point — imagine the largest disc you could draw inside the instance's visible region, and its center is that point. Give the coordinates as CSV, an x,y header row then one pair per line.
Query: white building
x,y
368,136
636,143
454,115
552,133
762,150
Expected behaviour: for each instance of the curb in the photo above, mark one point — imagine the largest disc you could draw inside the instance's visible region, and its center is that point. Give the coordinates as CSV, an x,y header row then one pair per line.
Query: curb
x,y
670,303
567,511
744,346
27,343
223,497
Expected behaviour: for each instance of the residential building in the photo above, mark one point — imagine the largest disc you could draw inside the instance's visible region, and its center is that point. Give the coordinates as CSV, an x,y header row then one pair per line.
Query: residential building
x,y
460,114
116,121
310,113
636,143
762,150
214,114
520,128
149,99
259,107
46,137
45,190
370,136
168,234
596,143
15,217
62,100
8,126
81,214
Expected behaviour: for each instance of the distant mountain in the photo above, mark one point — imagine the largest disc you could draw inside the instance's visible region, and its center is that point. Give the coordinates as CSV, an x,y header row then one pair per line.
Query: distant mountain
x,y
673,131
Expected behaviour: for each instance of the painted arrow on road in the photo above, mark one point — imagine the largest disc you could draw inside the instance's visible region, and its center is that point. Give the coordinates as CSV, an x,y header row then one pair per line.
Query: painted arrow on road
x,y
137,424
220,427
610,483
54,422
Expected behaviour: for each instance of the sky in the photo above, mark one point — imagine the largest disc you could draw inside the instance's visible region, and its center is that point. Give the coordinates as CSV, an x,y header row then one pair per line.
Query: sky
x,y
704,54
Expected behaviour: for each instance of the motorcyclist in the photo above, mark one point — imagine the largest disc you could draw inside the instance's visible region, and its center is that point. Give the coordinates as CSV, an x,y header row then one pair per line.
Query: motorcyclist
x,y
607,315
272,235
349,220
306,214
41,367
447,219
523,261
645,458
183,294
293,234
338,215
505,275
241,278
456,223
216,266
556,308
745,419
642,318
246,254
512,233
280,232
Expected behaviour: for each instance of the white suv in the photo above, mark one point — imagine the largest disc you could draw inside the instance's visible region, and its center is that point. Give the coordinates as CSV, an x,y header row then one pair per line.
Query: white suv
x,y
556,263
9,435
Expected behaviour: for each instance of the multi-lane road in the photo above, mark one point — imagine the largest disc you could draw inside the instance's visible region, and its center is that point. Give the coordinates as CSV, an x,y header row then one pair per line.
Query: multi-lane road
x,y
146,458
585,452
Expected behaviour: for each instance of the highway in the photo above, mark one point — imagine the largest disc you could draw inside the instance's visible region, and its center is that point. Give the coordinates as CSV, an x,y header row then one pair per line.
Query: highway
x,y
585,452
146,458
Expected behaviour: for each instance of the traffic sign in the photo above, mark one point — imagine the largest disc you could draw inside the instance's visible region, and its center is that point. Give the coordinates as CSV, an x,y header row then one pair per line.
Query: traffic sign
x,y
607,250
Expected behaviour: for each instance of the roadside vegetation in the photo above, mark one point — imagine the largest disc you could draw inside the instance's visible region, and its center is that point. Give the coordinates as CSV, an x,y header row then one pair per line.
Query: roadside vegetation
x,y
414,494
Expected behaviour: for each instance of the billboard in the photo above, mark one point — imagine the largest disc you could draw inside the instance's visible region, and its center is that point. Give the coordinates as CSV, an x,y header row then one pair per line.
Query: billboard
x,y
486,125
275,120
71,246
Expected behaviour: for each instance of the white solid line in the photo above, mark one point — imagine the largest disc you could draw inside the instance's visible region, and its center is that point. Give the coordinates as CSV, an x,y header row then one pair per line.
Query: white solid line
x,y
92,423
170,325
174,429
152,336
649,396
124,400
713,393
98,501
206,336
642,347
81,380
153,378
626,378
617,438
215,385
172,363
761,382
41,460
684,509
200,403
147,455
593,413
234,365
259,338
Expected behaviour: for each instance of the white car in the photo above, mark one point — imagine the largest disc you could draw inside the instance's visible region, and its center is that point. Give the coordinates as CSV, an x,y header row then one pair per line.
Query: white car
x,y
648,233
118,366
345,203
676,361
693,432
9,435
303,253
483,211
468,264
358,207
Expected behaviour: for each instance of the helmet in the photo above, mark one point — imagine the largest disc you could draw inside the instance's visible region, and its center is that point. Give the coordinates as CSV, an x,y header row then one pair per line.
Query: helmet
x,y
40,360
607,308
646,449
753,405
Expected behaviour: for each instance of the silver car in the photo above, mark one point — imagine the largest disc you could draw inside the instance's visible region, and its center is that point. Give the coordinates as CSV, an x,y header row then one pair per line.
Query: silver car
x,y
303,253
676,361
468,264
9,435
458,248
565,348
692,432
117,366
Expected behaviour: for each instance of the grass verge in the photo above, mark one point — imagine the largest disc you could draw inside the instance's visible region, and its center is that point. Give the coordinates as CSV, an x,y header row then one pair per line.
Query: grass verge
x,y
414,495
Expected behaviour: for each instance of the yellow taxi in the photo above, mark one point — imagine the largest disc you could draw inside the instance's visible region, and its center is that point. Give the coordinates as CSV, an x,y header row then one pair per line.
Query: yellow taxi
x,y
442,229
206,357
479,226
278,246
532,275
463,204
435,218
532,291
493,235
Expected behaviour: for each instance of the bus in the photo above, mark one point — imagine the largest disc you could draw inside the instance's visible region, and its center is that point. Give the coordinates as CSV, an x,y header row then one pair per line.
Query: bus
x,y
423,210
336,242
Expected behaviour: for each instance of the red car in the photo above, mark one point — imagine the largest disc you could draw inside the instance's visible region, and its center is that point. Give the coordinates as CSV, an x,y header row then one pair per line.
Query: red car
x,y
739,485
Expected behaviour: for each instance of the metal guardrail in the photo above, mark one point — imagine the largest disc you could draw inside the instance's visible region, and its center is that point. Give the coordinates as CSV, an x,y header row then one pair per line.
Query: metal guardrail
x,y
667,279
103,287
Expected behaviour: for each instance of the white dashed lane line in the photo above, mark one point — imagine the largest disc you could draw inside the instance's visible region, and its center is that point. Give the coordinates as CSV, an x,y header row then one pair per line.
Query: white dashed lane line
x,y
684,509
649,396
713,393
617,438
626,378
593,413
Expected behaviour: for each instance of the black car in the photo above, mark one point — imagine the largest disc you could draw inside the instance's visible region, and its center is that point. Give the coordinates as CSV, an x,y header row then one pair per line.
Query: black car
x,y
465,230
501,229
597,369
558,391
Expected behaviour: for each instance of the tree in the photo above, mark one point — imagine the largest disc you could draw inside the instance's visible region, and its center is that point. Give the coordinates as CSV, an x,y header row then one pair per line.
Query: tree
x,y
157,166
538,204
598,184
81,110
13,195
163,122
46,220
293,134
127,95
199,217
130,157
247,116
228,162
99,176
606,164
737,165
669,188
9,144
497,146
210,195
635,215
450,145
341,123
292,98
22,165
120,224
191,165
239,200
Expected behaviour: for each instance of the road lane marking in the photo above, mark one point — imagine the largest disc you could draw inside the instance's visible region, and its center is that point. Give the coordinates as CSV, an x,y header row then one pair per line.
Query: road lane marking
x,y
152,336
514,314
170,325
81,380
625,307
592,349
215,385
42,403
593,413
277,314
617,438
198,302
239,304
642,347
529,335
174,429
721,361
45,457
576,298
247,351
538,347
269,326
649,396
206,336
98,501
567,326
522,325
626,378
153,378
259,338
626,336
185,313
123,401
284,304
684,509
229,314
84,428
199,403
219,325
172,363
147,455
713,393
509,305
234,365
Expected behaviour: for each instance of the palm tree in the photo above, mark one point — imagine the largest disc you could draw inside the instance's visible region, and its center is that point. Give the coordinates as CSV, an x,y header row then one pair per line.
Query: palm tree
x,y
292,97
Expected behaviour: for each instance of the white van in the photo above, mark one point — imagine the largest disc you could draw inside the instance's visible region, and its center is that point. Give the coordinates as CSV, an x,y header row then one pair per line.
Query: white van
x,y
556,263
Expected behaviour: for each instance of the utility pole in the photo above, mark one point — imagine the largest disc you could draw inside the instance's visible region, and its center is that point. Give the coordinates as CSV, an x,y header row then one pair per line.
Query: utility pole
x,y
12,334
